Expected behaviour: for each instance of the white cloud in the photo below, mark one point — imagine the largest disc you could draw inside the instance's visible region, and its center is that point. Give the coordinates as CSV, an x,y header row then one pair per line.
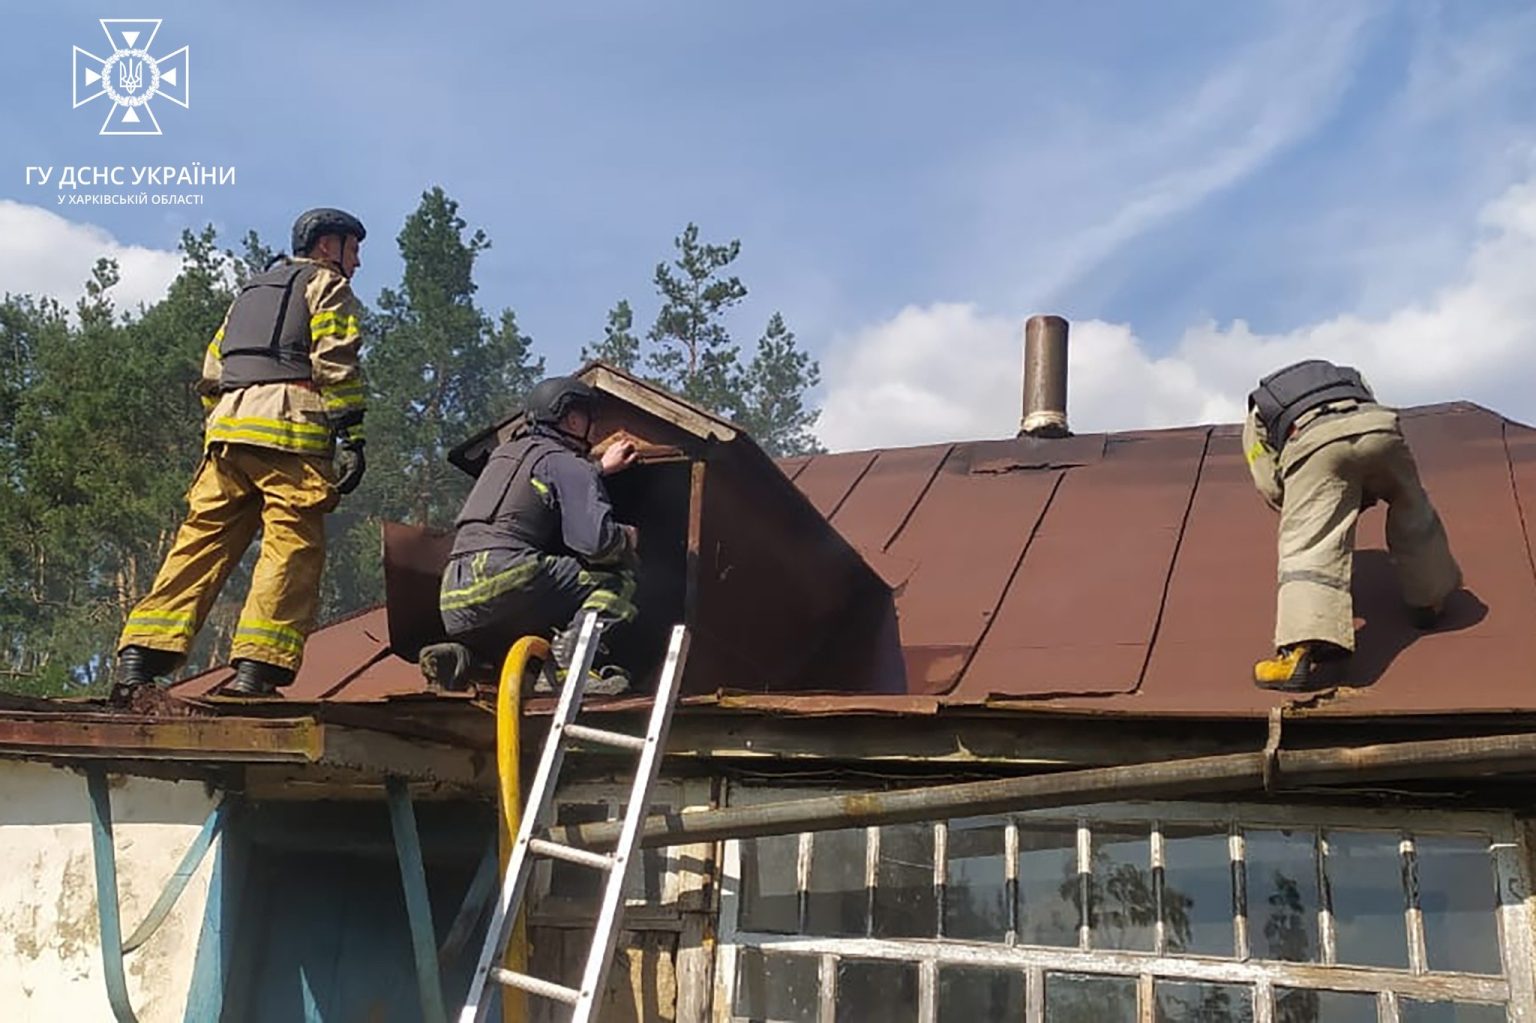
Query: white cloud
x,y
951,371
41,253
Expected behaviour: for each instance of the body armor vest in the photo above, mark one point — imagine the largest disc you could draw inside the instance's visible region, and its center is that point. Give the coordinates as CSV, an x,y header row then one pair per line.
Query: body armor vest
x,y
266,338
1290,393
503,510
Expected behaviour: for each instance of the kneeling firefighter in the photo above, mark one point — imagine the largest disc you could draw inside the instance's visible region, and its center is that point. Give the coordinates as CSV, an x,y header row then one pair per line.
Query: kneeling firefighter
x,y
536,544
282,389
1321,450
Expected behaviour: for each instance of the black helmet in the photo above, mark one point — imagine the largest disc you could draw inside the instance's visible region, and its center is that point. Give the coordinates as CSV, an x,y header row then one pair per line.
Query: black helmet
x,y
550,399
318,223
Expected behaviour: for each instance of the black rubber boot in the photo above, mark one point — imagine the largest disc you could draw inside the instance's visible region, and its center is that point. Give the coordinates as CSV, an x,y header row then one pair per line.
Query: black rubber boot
x,y
139,666
446,665
257,678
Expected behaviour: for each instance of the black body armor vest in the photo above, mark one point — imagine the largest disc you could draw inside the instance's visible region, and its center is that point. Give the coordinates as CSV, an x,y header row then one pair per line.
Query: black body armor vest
x,y
1290,393
266,339
503,510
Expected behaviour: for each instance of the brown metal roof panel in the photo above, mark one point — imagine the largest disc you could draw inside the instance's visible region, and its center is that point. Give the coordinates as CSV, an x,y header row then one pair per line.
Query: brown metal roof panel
x,y
1081,611
887,494
827,479
1218,617
966,537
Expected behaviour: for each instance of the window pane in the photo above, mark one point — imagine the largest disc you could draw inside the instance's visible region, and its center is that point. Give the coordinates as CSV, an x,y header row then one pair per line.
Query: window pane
x,y
1197,889
973,994
1282,895
1204,1003
869,989
1074,998
769,901
647,882
975,889
1122,909
838,897
905,904
772,986
1299,1006
1456,895
1409,1011
1365,884
1048,890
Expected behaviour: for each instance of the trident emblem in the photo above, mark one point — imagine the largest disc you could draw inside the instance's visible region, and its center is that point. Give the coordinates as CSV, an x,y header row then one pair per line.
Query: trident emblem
x,y
131,76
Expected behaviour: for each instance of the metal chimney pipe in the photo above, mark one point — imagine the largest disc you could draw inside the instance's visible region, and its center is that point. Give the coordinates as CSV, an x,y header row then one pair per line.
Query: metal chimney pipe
x,y
1045,378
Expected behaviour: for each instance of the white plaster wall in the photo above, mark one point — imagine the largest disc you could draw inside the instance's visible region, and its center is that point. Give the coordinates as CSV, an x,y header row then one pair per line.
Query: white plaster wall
x,y
50,948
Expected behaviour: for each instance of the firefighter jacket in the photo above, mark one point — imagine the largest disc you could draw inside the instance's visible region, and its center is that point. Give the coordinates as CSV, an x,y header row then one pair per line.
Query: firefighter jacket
x,y
537,494
282,371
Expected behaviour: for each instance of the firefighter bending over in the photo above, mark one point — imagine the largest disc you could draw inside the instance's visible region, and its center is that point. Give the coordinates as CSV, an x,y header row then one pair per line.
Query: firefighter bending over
x,y
536,544
1321,450
282,388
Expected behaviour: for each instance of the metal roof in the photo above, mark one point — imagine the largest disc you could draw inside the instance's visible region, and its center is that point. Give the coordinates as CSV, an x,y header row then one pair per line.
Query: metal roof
x,y
1127,573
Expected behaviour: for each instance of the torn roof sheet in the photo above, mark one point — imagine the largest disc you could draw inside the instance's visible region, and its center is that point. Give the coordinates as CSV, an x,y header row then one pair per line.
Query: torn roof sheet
x,y
1128,573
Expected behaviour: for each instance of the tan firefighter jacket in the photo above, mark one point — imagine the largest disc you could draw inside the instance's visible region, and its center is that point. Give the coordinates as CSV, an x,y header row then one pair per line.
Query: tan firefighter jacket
x,y
295,415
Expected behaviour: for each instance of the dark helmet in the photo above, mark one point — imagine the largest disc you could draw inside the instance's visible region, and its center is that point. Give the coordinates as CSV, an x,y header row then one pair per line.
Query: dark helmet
x,y
318,223
551,399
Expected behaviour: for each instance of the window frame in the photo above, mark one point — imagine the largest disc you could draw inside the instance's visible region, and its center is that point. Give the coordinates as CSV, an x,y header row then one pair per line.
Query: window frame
x,y
1508,852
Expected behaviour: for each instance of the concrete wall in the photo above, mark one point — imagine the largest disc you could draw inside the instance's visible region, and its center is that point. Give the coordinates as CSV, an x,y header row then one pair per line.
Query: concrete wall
x,y
50,949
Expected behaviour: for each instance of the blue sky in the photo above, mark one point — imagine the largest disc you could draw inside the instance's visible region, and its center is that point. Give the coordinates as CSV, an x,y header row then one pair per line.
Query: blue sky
x,y
1200,187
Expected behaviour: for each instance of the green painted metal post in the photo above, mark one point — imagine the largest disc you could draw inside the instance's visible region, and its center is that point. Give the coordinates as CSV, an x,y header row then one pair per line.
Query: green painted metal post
x,y
418,906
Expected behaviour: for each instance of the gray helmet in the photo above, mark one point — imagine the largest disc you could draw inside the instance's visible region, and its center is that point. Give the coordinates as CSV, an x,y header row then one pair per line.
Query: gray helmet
x,y
550,399
317,223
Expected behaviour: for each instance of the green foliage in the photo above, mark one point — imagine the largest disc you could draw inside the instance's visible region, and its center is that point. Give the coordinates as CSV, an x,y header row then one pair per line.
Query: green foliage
x,y
772,402
619,346
694,355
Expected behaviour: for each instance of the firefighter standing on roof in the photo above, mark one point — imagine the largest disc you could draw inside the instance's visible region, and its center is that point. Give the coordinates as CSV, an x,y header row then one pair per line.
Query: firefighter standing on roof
x,y
1321,450
283,390
536,543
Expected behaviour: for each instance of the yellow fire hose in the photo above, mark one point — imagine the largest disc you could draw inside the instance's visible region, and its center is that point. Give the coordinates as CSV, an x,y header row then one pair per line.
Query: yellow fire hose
x,y
509,713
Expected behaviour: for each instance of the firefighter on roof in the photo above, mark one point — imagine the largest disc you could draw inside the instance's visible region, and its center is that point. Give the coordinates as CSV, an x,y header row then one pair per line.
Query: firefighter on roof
x,y
283,391
1321,450
536,544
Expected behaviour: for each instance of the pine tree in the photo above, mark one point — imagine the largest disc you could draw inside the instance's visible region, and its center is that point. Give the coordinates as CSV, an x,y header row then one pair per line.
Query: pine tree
x,y
694,355
773,408
619,346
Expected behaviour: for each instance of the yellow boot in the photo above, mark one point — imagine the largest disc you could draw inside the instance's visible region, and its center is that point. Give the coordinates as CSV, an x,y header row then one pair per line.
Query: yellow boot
x,y
1301,667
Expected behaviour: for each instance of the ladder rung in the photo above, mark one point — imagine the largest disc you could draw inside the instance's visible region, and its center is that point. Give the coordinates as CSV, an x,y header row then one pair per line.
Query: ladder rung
x,y
606,737
534,986
571,854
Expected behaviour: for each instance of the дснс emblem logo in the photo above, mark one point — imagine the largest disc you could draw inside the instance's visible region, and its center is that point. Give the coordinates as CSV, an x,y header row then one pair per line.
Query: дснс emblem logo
x,y
130,77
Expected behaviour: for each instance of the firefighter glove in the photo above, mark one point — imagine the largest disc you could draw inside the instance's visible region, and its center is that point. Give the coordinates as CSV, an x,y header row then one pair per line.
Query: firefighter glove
x,y
350,465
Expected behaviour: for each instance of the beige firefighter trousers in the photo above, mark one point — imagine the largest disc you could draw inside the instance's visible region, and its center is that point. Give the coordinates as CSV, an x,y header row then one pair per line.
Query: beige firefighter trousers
x,y
238,489
1324,494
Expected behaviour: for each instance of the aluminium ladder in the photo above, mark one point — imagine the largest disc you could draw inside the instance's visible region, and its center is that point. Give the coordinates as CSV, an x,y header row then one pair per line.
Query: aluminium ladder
x,y
537,819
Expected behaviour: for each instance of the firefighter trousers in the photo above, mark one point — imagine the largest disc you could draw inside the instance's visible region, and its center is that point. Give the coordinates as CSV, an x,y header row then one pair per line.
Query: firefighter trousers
x,y
239,489
1324,495
489,599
